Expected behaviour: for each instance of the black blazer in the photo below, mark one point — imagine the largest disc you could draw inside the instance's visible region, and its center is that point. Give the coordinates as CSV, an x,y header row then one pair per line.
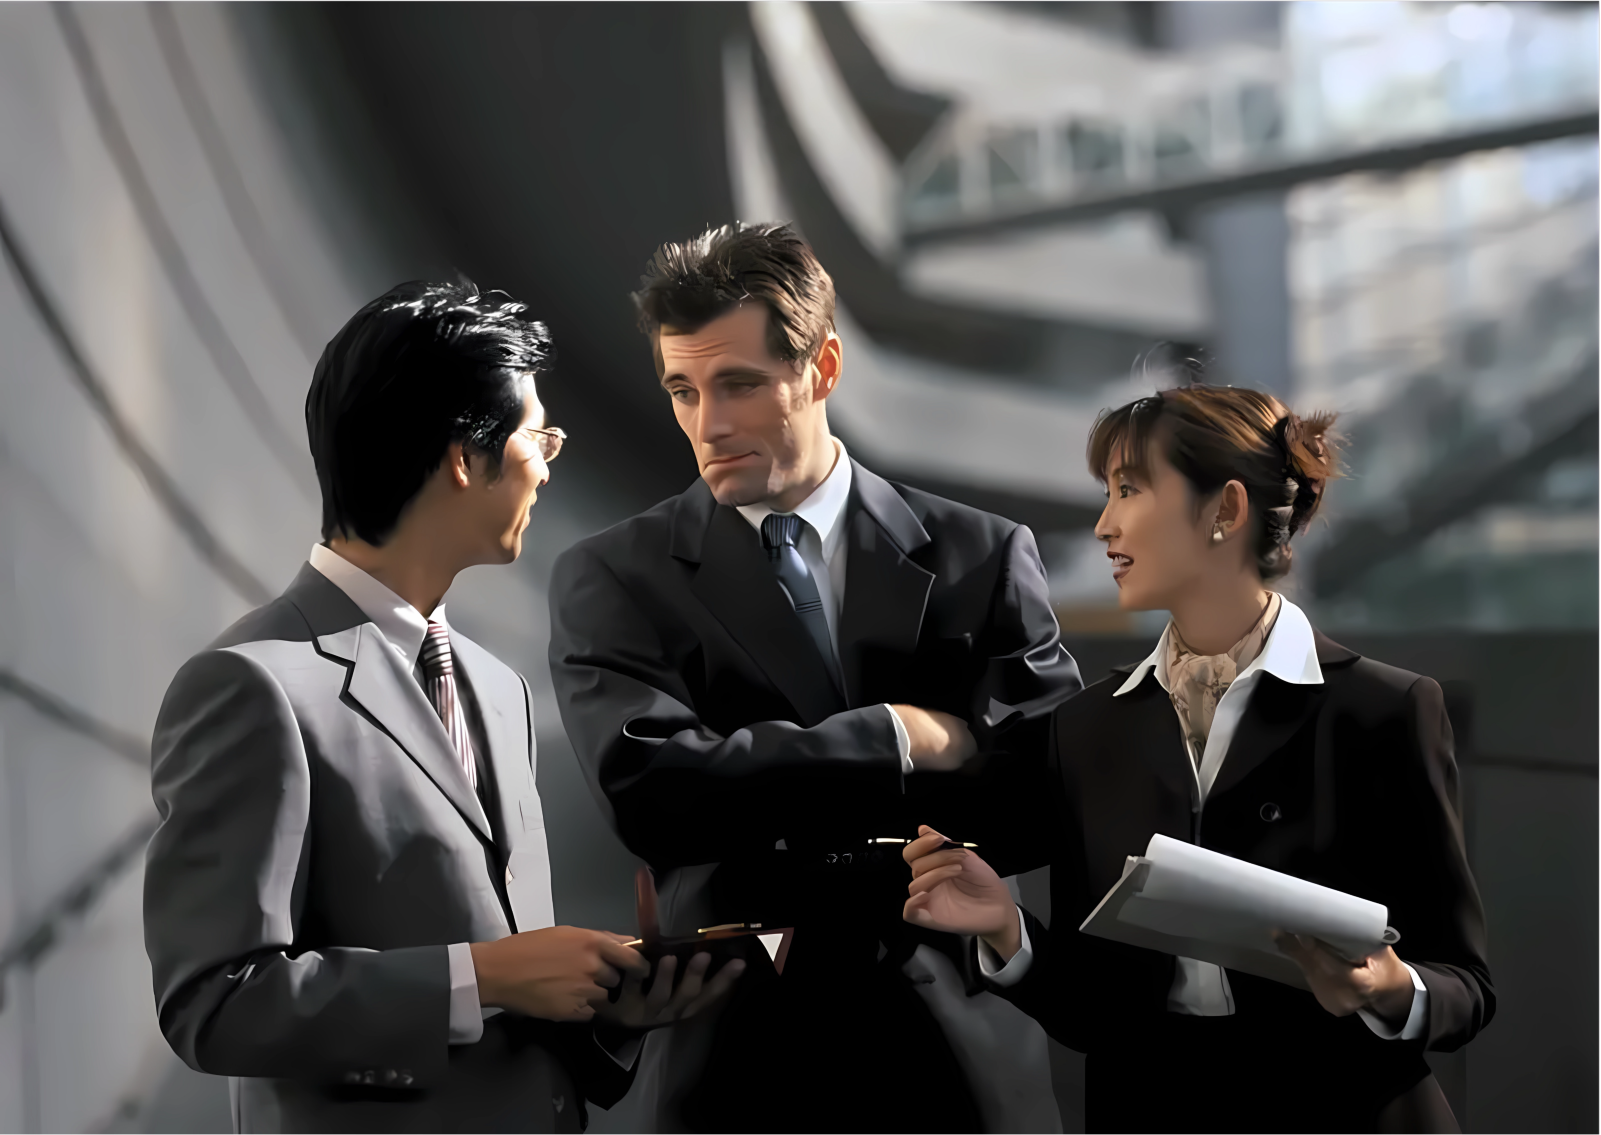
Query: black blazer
x,y
1351,784
704,716
711,732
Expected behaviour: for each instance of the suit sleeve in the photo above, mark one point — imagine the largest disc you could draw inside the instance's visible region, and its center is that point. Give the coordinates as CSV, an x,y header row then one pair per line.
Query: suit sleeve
x,y
1024,673
1439,914
225,887
679,791
1027,671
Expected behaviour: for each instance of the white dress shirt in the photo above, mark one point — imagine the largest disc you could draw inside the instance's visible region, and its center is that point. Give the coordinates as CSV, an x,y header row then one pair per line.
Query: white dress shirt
x,y
824,548
1201,989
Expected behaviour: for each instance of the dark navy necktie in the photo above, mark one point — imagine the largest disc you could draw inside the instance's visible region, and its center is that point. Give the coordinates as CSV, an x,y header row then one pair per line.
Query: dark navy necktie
x,y
780,534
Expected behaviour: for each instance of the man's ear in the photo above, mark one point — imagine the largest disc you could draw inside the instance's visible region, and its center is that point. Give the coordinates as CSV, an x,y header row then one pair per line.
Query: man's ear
x,y
456,465
830,363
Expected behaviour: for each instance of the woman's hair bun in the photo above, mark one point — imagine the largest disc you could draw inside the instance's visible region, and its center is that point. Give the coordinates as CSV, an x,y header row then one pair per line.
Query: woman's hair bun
x,y
1308,462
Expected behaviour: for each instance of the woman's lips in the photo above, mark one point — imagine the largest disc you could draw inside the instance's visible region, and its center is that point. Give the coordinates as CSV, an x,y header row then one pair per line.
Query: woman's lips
x,y
1120,565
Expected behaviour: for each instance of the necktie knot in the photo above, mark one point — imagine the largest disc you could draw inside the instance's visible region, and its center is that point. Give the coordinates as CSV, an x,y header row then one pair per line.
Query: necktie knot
x,y
780,534
780,530
436,660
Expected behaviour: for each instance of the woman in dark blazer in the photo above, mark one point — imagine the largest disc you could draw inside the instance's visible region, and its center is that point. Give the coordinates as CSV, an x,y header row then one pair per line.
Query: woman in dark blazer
x,y
1250,733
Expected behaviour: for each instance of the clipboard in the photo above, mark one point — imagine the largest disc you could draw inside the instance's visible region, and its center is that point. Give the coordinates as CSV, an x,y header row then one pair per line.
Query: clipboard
x,y
1239,942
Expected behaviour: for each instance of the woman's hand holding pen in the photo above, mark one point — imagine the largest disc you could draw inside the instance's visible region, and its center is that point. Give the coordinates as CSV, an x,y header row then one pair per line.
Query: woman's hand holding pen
x,y
1379,982
952,889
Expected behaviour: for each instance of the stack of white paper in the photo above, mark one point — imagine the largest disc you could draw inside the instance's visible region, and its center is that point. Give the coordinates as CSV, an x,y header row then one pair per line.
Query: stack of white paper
x,y
1185,900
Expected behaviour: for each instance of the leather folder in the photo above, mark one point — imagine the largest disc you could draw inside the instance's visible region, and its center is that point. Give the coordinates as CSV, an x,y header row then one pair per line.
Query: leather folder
x,y
754,943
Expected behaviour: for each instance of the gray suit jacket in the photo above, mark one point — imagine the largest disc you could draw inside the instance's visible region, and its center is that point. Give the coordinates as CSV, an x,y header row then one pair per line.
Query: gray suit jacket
x,y
319,848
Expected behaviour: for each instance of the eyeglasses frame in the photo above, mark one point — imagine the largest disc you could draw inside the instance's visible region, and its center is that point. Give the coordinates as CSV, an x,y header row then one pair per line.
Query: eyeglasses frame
x,y
556,433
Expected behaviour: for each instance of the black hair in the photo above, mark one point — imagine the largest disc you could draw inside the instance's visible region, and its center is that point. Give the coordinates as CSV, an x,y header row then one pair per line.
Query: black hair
x,y
418,368
690,283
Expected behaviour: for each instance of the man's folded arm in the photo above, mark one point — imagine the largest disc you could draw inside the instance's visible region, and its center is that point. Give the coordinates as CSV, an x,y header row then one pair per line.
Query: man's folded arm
x,y
1003,802
224,889
680,790
1028,672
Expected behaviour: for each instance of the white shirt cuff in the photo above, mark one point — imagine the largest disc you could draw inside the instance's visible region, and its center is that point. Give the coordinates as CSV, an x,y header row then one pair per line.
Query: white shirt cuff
x,y
1416,1021
903,739
466,1015
989,962
625,1053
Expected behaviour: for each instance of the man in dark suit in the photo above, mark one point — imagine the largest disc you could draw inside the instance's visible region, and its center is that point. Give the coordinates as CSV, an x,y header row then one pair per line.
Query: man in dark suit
x,y
766,678
347,902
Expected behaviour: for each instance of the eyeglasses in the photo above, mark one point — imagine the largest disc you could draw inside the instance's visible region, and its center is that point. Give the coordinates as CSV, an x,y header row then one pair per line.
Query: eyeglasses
x,y
548,440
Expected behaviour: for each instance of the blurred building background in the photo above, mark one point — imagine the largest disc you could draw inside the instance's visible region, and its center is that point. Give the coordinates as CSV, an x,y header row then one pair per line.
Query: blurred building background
x,y
1384,209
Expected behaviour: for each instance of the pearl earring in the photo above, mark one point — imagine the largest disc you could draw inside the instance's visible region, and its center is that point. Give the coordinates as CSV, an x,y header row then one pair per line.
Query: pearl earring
x,y
1217,534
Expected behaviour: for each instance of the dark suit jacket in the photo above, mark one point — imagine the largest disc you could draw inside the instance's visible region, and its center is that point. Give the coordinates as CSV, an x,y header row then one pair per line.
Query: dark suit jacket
x,y
1351,784
710,730
318,851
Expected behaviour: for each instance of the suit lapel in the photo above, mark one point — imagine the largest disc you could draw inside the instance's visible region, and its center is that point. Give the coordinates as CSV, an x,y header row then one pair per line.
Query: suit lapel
x,y
1149,726
391,697
1276,710
737,585
503,711
503,708
885,592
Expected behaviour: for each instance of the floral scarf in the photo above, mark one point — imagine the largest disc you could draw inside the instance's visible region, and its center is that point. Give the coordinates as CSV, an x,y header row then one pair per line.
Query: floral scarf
x,y
1196,682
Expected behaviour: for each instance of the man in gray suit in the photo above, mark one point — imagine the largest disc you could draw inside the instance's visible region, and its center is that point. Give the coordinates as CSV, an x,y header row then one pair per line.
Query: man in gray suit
x,y
347,903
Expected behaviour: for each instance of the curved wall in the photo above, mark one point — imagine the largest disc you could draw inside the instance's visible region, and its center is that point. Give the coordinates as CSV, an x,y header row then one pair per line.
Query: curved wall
x,y
175,257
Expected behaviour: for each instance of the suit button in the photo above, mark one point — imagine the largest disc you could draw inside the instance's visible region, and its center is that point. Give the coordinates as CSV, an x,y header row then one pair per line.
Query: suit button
x,y
558,1102
369,1077
1271,813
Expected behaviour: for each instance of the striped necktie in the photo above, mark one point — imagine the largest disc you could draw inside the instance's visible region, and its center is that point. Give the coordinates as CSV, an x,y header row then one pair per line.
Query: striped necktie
x,y
780,532
439,674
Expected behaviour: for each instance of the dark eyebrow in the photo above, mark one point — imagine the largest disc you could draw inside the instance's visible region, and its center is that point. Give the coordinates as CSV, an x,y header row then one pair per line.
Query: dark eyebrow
x,y
731,372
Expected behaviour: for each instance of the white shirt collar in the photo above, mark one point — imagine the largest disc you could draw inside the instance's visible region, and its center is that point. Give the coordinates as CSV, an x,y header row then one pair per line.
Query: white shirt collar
x,y
1289,654
401,624
823,510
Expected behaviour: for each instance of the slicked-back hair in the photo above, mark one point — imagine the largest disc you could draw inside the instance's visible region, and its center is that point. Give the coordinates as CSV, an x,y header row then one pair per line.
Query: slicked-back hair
x,y
1217,434
690,283
418,368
